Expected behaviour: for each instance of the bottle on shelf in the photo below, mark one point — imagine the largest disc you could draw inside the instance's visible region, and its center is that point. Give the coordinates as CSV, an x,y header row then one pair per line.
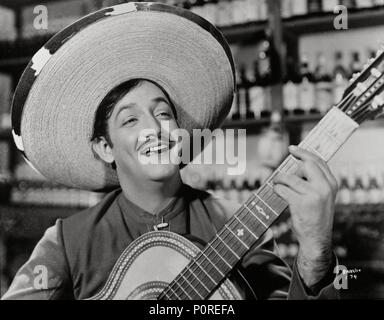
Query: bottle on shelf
x,y
265,76
220,189
290,88
359,193
323,86
340,78
306,88
269,70
256,184
344,194
242,93
233,194
256,93
375,189
246,81
245,192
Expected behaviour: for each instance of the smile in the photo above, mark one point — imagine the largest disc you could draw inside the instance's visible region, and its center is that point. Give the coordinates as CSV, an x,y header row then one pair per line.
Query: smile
x,y
157,148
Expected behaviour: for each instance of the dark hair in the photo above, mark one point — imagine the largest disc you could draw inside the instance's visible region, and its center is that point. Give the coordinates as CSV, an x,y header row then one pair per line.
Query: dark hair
x,y
105,109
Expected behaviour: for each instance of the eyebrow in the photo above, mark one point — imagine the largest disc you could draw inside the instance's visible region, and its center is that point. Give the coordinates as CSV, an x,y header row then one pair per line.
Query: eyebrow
x,y
134,105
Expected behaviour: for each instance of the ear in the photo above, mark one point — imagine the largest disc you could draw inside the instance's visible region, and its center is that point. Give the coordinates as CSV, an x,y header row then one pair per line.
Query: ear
x,y
102,148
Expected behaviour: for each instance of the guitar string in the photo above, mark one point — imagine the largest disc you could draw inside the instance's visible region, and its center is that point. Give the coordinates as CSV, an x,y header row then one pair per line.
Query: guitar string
x,y
238,223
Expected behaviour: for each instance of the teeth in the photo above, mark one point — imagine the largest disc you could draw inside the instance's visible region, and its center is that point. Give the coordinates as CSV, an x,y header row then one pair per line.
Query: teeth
x,y
156,148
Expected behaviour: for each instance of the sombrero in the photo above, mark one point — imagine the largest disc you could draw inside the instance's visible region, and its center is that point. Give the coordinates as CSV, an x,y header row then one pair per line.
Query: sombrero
x,y
55,102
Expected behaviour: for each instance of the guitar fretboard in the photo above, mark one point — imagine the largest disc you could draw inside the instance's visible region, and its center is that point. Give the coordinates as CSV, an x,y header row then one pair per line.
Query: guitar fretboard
x,y
212,265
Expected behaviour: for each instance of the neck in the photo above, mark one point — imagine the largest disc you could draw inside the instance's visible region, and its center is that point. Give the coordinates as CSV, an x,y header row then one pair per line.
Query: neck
x,y
151,195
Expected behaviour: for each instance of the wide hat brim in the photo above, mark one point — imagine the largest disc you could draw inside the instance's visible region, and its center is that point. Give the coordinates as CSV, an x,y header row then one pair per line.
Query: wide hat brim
x,y
55,102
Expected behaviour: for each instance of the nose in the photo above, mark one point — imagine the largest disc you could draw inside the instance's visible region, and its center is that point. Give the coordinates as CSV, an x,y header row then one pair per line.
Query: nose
x,y
153,124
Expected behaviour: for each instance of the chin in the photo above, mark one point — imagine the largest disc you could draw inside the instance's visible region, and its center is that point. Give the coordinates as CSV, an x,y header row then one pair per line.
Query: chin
x,y
160,172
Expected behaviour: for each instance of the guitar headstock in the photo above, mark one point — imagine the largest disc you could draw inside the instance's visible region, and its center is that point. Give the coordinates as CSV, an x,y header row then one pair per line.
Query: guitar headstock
x,y
364,97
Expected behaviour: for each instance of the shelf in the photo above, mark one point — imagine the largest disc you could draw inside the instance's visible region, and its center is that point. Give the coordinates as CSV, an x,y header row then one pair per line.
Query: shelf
x,y
244,32
301,25
254,125
360,207
323,22
20,51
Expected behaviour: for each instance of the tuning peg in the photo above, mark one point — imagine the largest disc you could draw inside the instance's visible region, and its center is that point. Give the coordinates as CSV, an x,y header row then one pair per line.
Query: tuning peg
x,y
354,76
377,102
376,73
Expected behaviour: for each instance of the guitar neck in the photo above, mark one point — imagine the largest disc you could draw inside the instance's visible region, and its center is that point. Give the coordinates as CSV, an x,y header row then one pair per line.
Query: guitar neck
x,y
212,265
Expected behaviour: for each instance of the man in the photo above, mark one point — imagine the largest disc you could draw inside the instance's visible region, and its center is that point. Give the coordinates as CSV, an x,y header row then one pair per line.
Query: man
x,y
93,128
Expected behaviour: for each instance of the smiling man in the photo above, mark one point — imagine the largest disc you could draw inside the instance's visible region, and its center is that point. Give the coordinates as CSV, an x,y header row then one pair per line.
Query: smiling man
x,y
120,139
89,125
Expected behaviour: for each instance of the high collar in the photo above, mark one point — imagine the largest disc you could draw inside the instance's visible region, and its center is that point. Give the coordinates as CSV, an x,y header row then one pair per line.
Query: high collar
x,y
135,215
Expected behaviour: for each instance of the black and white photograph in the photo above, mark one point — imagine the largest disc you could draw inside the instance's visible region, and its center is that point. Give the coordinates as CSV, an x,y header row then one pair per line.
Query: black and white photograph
x,y
192,150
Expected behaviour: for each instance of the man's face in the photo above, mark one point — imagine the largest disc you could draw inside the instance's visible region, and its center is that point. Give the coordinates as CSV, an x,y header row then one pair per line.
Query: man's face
x,y
143,110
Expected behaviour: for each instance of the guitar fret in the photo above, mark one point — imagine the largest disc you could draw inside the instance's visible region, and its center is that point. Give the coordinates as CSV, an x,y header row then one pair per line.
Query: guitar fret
x,y
174,292
190,298
260,210
202,252
241,241
278,203
201,268
230,249
191,285
255,216
266,204
222,258
245,226
197,278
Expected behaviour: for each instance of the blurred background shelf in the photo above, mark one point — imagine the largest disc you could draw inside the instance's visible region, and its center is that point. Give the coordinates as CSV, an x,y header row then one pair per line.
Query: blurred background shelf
x,y
303,25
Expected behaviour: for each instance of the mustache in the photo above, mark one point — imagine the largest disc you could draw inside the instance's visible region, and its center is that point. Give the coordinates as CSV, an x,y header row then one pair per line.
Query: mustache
x,y
151,140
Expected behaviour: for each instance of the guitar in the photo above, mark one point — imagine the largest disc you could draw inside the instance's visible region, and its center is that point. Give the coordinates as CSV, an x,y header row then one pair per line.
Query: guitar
x,y
166,266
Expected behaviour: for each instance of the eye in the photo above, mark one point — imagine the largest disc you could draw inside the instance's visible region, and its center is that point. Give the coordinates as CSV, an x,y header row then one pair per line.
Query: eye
x,y
164,114
129,121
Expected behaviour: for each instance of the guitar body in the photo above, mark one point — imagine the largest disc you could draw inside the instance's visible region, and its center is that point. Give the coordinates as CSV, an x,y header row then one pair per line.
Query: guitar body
x,y
149,264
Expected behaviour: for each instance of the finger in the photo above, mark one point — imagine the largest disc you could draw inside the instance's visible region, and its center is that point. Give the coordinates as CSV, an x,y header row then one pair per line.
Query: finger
x,y
292,181
286,193
306,155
